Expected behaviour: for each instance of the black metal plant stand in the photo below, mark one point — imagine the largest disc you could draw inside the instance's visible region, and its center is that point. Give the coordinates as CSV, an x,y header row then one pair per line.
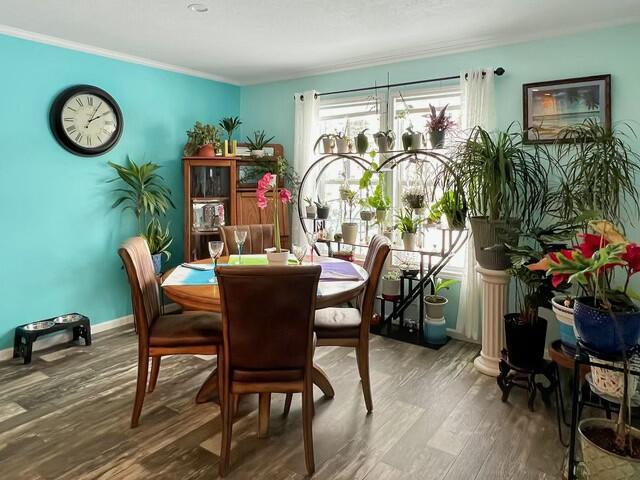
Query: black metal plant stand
x,y
585,396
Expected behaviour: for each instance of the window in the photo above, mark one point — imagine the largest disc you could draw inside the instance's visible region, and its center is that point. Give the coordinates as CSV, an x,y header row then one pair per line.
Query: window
x,y
354,114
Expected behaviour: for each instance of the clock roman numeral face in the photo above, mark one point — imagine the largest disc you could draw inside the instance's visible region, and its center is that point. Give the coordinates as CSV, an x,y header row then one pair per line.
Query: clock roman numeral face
x,y
88,120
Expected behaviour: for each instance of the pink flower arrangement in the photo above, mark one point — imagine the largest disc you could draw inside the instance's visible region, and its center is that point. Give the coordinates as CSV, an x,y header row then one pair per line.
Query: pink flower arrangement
x,y
265,184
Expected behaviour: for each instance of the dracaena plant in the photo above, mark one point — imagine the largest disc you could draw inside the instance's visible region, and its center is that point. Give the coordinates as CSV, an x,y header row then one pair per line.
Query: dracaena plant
x,y
439,122
229,125
142,190
159,239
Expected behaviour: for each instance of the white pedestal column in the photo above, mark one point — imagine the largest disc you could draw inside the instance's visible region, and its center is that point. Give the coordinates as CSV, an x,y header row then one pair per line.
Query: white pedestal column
x,y
495,294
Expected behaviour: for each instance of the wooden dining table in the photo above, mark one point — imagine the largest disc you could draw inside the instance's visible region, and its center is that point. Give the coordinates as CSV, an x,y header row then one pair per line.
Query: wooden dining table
x,y
331,293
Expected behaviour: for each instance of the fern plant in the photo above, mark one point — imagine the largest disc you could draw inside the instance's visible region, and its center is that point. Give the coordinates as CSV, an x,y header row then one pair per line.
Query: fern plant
x,y
143,191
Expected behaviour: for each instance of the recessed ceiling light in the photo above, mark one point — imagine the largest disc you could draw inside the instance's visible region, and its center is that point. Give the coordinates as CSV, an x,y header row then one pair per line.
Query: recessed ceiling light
x,y
198,7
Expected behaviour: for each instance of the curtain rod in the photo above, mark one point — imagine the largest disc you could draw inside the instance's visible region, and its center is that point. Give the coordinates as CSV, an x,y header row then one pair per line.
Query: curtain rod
x,y
498,71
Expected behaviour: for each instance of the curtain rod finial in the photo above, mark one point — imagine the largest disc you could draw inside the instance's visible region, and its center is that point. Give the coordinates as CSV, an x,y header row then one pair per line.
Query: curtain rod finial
x,y
499,71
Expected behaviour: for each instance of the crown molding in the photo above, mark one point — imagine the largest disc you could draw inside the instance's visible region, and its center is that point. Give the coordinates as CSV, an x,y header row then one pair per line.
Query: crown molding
x,y
445,48
103,52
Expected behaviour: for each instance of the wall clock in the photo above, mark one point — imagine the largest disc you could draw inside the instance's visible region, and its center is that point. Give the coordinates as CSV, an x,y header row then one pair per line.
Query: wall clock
x,y
86,120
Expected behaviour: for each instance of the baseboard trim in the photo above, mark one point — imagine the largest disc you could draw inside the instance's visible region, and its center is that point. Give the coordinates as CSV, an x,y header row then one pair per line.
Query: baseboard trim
x,y
65,337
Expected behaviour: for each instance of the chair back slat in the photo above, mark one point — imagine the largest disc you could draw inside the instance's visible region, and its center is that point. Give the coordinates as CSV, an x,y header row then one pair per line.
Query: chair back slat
x,y
259,237
379,248
267,315
145,296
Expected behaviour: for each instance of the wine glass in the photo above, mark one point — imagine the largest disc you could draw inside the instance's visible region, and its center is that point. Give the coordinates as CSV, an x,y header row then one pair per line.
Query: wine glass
x,y
299,251
215,250
312,238
240,236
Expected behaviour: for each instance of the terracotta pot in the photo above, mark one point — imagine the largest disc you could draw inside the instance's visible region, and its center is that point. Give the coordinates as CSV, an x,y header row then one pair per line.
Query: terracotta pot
x,y
207,151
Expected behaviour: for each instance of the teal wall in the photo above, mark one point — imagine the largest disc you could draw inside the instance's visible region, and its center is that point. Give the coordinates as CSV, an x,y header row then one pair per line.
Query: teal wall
x,y
613,50
59,240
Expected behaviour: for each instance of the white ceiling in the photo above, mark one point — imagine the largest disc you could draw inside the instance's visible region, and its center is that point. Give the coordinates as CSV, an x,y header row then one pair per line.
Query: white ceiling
x,y
253,41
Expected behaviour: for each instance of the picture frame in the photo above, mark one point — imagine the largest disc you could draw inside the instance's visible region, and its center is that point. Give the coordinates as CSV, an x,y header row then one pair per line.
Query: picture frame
x,y
550,106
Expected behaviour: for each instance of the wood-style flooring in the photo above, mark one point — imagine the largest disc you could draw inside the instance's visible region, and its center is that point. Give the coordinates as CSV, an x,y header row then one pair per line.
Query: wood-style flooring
x,y
66,416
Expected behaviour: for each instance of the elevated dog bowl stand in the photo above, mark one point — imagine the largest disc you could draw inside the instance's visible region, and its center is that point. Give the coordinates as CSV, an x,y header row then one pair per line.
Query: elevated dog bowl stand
x,y
28,333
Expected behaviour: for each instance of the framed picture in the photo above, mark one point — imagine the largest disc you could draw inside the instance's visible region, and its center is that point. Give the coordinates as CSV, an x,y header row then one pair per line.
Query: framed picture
x,y
549,107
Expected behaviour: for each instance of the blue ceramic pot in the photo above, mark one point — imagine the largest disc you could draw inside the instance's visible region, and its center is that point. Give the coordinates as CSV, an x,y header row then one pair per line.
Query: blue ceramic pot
x,y
157,262
599,331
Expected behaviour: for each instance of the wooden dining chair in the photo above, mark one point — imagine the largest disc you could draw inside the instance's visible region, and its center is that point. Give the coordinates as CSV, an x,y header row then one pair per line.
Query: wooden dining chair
x,y
191,333
267,325
259,237
349,327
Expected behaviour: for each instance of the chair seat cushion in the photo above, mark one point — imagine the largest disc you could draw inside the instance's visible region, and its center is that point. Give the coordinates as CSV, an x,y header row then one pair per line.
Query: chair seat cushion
x,y
186,329
337,323
260,376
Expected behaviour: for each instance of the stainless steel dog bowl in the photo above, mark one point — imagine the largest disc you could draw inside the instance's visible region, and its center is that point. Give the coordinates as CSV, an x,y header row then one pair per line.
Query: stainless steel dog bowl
x,y
69,318
42,325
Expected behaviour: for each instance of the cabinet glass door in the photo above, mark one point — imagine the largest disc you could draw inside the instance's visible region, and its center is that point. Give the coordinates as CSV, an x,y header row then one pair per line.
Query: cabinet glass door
x,y
210,206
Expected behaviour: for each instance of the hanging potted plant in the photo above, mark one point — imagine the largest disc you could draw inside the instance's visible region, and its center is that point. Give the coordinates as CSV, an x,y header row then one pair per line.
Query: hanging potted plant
x,y
310,207
202,140
257,143
409,226
350,228
159,241
362,142
505,188
385,140
414,197
438,125
322,208
269,183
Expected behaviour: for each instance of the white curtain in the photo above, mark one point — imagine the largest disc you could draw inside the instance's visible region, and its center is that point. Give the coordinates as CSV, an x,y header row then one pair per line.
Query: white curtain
x,y
478,109
305,135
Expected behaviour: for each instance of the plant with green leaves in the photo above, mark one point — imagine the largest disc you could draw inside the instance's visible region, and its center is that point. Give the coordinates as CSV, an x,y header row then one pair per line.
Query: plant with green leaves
x,y
407,222
158,239
600,171
379,200
452,206
229,125
200,135
143,192
351,200
321,203
438,286
259,140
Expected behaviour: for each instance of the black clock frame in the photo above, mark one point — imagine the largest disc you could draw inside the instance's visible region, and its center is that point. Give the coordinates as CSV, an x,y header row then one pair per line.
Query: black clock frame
x,y
57,128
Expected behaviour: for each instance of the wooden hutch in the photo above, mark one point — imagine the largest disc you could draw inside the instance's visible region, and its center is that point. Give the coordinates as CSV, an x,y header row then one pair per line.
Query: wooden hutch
x,y
222,191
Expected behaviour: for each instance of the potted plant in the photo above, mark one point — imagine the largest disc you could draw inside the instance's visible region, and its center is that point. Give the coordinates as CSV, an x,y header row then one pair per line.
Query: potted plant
x,y
438,125
505,187
379,201
202,141
411,140
322,209
453,207
391,285
159,241
342,142
408,225
257,143
414,197
385,140
435,303
350,228
328,143
310,208
229,125
269,182
362,142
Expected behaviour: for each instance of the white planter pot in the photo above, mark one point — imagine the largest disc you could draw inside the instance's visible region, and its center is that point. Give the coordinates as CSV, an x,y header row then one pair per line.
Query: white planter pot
x,y
416,141
564,315
435,310
409,241
311,211
381,216
257,153
604,465
342,145
275,258
389,235
420,211
349,232
390,287
328,145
